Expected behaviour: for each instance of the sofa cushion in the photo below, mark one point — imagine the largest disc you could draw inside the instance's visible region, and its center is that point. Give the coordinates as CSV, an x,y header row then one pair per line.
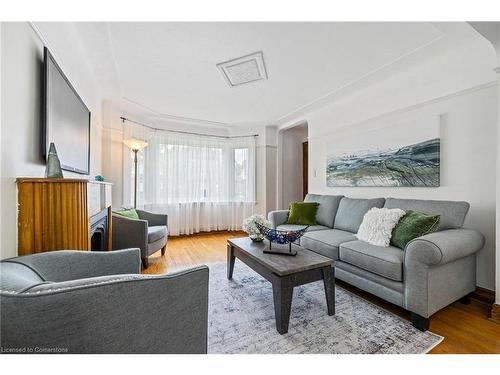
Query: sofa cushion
x,y
131,213
156,233
383,261
326,242
413,225
328,205
302,213
292,227
365,275
452,214
16,277
378,224
351,212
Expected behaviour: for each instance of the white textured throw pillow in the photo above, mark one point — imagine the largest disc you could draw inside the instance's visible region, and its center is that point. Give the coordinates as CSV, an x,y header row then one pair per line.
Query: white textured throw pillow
x,y
378,224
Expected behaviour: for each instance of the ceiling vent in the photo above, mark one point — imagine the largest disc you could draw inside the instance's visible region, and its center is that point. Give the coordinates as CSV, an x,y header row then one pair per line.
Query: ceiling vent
x,y
246,69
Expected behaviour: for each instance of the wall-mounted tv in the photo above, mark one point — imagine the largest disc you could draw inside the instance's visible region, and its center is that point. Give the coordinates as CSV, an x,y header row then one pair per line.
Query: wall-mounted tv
x,y
66,119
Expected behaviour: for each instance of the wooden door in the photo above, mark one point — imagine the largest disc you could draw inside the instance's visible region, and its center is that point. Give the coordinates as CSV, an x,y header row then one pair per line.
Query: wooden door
x,y
305,165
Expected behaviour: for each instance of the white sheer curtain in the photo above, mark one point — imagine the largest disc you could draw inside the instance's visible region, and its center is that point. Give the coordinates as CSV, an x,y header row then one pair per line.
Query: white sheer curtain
x,y
203,183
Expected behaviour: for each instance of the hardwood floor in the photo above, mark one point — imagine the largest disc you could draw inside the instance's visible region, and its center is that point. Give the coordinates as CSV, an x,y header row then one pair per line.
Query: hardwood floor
x,y
466,328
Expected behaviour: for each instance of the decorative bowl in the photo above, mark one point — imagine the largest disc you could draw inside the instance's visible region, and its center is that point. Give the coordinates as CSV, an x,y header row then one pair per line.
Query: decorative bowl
x,y
281,236
256,237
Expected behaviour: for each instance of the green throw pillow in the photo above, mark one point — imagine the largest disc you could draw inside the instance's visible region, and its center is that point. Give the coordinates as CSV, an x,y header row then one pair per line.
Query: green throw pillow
x,y
303,213
131,214
412,225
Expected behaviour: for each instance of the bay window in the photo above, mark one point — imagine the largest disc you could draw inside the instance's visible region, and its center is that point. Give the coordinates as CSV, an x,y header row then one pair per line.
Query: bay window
x,y
203,183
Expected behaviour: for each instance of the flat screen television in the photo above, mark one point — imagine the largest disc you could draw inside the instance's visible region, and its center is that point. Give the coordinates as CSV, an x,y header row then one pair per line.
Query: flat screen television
x,y
66,119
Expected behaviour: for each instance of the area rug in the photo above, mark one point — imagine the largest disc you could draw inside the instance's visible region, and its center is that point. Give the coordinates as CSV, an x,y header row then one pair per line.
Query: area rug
x,y
241,320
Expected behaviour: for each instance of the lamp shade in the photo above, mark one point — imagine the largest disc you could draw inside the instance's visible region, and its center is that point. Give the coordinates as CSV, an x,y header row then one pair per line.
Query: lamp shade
x,y
135,144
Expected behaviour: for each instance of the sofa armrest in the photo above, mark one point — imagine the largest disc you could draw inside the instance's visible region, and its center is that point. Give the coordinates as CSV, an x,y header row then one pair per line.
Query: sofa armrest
x,y
129,233
277,217
131,314
67,265
152,218
440,268
444,246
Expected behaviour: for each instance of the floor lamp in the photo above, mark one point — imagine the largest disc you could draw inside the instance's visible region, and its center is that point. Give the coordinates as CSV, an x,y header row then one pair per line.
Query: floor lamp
x,y
135,145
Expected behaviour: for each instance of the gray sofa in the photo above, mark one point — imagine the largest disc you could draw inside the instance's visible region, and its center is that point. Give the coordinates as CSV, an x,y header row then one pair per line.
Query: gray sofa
x,y
149,233
96,302
430,273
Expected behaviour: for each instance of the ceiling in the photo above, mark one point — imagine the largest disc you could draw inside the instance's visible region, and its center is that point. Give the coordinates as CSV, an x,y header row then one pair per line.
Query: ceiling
x,y
168,71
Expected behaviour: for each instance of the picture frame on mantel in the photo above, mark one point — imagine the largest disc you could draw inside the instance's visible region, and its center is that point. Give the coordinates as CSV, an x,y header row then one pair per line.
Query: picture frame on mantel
x,y
401,155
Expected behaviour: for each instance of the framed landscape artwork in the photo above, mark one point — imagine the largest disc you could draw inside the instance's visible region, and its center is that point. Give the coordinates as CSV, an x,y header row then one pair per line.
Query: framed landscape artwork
x,y
401,155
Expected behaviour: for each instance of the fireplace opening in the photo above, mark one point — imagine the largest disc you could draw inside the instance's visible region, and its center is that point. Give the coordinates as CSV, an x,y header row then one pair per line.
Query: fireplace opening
x,y
99,231
97,241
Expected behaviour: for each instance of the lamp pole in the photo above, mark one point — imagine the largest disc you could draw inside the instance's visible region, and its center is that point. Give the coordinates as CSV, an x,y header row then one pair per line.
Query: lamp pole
x,y
135,178
135,145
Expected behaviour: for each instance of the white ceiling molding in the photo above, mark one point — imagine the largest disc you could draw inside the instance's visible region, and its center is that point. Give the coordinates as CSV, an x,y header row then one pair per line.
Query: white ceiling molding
x,y
329,97
156,116
243,70
169,66
187,120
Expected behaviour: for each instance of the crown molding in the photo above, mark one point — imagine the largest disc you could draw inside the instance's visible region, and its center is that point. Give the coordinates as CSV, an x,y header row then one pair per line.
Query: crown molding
x,y
415,106
158,116
189,120
330,96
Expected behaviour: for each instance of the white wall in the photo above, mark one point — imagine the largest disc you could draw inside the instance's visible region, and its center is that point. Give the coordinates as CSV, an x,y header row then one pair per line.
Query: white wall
x,y
1,137
468,123
291,140
22,57
497,273
491,32
497,297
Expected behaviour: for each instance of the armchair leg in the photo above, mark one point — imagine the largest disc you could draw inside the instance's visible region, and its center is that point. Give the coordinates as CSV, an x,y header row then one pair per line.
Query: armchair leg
x,y
419,322
163,249
145,263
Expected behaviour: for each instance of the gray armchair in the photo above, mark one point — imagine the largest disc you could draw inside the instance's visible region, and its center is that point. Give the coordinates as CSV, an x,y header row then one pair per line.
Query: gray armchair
x,y
149,233
95,302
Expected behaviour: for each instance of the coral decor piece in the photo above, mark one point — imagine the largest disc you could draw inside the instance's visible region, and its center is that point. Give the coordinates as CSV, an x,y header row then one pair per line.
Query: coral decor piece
x,y
250,226
281,237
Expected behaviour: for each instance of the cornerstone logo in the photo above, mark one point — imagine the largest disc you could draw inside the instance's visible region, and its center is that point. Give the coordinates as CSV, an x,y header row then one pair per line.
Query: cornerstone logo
x,y
32,350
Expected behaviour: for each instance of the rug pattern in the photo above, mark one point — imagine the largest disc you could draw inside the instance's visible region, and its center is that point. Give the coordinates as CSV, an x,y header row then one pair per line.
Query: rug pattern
x,y
241,320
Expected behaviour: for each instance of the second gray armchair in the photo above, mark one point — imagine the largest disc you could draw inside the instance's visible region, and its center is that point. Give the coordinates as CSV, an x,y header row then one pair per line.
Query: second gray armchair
x,y
97,302
149,233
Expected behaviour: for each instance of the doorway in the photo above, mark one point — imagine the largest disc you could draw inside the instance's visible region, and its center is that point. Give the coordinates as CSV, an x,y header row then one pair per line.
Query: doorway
x,y
294,152
305,168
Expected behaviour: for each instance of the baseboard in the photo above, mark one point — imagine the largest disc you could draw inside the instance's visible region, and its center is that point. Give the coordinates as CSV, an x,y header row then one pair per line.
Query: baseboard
x,y
483,295
495,313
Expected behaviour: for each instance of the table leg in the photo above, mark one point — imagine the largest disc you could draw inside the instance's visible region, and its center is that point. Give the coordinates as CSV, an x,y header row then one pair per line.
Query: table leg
x,y
329,283
282,295
230,261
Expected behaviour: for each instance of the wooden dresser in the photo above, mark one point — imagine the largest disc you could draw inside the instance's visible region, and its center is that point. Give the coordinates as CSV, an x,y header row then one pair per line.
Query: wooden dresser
x,y
63,213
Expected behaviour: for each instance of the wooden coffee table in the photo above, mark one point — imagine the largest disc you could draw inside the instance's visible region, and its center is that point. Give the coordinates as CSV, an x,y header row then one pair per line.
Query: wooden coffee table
x,y
284,273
